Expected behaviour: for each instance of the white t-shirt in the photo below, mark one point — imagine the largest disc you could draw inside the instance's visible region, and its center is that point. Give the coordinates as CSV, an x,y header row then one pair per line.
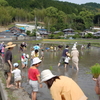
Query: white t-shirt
x,y
17,73
67,59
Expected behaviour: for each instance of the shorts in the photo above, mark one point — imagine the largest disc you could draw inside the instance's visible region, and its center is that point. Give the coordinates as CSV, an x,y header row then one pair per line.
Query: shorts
x,y
6,68
34,85
18,78
62,59
66,63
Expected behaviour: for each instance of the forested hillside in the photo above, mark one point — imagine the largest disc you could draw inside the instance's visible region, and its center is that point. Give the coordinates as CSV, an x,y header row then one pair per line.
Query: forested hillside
x,y
66,7
56,15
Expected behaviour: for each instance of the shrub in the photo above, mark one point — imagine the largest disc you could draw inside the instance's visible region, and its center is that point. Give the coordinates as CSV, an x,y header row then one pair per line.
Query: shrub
x,y
28,32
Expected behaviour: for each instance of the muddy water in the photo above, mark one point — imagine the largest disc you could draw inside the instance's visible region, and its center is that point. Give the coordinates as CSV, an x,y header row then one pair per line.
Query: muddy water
x,y
84,80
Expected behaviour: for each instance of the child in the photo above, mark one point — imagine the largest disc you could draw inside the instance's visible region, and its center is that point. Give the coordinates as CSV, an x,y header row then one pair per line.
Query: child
x,y
23,60
17,75
34,77
3,50
67,59
26,60
42,54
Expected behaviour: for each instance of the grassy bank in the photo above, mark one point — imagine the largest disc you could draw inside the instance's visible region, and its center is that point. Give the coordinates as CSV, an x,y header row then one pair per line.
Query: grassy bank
x,y
94,42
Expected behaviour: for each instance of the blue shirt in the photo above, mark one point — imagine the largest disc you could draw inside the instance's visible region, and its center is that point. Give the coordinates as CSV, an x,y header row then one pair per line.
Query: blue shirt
x,y
64,52
36,47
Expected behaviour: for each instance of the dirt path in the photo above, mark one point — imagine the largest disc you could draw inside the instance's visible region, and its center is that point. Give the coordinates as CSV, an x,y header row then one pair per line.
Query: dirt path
x,y
3,29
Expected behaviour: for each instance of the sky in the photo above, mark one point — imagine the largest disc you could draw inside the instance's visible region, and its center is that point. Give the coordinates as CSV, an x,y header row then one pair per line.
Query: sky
x,y
81,1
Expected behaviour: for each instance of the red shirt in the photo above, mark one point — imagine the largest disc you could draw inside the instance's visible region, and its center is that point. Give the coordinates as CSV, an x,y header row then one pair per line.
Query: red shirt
x,y
33,73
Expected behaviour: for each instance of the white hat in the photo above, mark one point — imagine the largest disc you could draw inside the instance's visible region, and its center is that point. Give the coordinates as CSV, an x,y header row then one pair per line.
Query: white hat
x,y
74,48
46,75
36,60
23,54
15,64
27,55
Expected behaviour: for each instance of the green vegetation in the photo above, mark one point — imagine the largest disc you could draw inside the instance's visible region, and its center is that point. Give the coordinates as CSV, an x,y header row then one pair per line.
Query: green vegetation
x,y
95,70
54,15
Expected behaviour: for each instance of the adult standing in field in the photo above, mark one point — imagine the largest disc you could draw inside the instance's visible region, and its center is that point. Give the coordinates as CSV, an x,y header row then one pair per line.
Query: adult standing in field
x,y
8,63
75,59
88,45
22,46
64,55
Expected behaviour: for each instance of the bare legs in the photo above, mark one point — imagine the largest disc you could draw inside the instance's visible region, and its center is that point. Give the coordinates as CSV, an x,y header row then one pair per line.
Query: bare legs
x,y
76,65
8,85
18,84
34,95
58,64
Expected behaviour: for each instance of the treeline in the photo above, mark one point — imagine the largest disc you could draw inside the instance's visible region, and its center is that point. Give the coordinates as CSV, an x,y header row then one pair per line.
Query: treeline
x,y
55,15
66,7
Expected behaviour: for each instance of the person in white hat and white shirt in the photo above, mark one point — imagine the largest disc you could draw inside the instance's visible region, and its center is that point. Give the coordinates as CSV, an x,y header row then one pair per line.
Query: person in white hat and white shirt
x,y
62,87
34,77
75,58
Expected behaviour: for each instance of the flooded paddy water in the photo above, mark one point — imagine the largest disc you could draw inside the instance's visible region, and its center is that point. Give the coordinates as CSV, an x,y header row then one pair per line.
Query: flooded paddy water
x,y
87,58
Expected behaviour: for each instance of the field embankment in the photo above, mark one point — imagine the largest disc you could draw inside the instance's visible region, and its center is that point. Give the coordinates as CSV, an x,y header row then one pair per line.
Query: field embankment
x,y
94,42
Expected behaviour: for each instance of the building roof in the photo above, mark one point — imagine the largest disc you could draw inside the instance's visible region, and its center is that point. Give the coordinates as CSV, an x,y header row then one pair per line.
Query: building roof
x,y
56,32
67,30
42,30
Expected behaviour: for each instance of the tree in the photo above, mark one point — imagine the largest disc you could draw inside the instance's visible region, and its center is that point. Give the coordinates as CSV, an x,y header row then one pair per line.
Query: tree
x,y
3,3
52,12
87,18
97,19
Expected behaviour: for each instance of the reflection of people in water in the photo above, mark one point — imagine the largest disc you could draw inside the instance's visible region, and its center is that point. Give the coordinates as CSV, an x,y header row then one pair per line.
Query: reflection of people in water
x,y
74,75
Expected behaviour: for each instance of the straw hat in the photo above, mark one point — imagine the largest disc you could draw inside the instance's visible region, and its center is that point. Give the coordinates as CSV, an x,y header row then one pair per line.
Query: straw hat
x,y
10,44
36,60
46,75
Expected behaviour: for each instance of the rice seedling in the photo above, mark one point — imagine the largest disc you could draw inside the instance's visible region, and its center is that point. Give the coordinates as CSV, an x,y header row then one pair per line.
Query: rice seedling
x,y
95,70
18,61
50,68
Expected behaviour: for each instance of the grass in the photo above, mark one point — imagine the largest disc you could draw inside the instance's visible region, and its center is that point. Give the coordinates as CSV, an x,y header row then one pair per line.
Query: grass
x,y
94,42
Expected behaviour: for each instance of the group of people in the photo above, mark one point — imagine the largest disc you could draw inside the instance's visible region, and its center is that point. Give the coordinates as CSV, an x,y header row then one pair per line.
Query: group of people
x,y
61,87
66,56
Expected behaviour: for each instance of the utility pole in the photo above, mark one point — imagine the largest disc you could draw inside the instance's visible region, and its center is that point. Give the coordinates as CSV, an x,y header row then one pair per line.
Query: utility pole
x,y
48,26
36,27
